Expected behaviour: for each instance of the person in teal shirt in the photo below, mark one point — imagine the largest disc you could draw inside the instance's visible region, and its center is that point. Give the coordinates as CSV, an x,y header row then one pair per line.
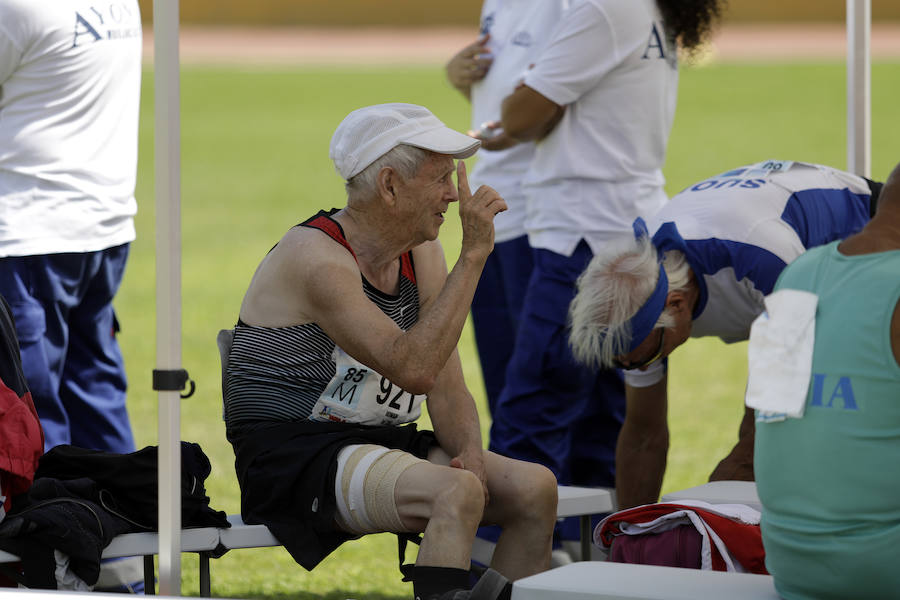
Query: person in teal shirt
x,y
828,481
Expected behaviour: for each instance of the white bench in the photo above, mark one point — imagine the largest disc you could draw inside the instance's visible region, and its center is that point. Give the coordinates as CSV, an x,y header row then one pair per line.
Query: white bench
x,y
573,501
720,492
595,580
241,535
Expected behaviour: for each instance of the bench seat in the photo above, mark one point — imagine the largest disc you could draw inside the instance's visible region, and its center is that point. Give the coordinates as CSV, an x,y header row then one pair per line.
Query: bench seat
x,y
596,580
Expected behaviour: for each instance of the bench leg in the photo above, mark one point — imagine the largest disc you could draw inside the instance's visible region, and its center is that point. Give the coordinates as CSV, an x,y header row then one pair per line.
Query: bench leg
x,y
585,537
149,576
204,574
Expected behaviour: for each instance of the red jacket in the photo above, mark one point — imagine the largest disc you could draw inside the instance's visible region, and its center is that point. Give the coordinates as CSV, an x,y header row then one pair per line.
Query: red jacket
x,y
21,436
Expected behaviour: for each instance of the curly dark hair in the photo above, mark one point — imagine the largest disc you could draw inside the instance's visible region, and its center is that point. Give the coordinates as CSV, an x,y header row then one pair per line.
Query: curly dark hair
x,y
690,21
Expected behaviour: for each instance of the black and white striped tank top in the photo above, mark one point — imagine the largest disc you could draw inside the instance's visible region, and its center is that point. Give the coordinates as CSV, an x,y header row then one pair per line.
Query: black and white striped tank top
x,y
276,374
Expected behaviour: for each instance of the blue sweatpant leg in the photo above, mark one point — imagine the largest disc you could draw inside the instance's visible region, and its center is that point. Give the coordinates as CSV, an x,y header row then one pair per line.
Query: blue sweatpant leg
x,y
496,308
553,410
62,304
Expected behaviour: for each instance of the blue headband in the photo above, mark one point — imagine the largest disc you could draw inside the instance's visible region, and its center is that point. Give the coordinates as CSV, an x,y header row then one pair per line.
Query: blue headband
x,y
645,318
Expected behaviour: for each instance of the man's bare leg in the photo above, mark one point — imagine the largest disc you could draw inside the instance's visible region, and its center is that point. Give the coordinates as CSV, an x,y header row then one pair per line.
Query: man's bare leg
x,y
523,501
447,505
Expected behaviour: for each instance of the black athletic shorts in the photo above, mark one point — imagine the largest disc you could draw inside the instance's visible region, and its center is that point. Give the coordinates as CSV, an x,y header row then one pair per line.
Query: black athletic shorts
x,y
286,472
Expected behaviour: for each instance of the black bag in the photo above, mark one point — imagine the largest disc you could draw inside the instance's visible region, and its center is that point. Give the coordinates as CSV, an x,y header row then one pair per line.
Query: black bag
x,y
127,483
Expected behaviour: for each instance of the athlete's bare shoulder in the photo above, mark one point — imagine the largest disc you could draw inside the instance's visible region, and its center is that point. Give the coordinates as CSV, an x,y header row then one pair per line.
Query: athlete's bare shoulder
x,y
287,286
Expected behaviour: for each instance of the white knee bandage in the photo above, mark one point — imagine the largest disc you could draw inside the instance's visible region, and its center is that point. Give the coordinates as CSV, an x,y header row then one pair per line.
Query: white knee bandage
x,y
364,487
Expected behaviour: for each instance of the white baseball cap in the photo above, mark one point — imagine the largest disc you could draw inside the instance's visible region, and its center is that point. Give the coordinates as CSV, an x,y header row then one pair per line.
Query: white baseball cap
x,y
368,133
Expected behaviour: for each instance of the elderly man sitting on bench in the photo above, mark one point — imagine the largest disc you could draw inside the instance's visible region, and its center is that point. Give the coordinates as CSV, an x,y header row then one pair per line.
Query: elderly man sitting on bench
x,y
350,323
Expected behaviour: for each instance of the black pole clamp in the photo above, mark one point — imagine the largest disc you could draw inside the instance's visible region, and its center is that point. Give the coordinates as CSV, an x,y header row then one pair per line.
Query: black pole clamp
x,y
173,380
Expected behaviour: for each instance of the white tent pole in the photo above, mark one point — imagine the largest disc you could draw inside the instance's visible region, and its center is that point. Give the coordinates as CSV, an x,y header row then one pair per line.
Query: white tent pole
x,y
859,87
168,285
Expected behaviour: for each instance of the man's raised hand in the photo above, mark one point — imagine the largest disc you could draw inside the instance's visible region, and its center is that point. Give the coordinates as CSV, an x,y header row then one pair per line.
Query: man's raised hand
x,y
477,212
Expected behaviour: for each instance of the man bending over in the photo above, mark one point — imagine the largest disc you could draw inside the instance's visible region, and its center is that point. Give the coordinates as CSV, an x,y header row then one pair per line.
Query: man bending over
x,y
700,266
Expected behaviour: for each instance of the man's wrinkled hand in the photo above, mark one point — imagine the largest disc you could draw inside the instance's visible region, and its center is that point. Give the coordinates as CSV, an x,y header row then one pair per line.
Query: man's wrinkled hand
x,y
477,212
473,461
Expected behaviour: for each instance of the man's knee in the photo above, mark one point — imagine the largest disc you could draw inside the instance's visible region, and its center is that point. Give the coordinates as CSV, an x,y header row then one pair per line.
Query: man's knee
x,y
532,493
459,497
540,491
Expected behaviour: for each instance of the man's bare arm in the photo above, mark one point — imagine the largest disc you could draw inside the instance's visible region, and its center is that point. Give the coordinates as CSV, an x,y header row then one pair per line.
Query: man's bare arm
x,y
412,359
528,115
455,418
643,445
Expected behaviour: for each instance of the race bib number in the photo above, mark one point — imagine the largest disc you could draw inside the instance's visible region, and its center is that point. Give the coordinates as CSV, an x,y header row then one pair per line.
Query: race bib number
x,y
358,394
769,167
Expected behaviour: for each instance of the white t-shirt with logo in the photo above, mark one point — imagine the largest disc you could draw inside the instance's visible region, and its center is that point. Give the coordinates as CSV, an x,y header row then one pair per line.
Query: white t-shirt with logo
x,y
518,30
70,74
611,65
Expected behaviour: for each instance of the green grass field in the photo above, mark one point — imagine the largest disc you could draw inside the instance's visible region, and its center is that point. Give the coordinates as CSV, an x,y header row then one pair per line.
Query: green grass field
x,y
255,162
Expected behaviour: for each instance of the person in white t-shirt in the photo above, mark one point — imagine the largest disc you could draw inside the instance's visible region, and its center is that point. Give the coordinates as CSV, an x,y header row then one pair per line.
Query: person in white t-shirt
x,y
599,100
512,32
485,72
70,74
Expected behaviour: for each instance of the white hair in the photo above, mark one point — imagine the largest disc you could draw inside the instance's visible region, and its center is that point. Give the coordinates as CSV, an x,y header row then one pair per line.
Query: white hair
x,y
610,291
405,159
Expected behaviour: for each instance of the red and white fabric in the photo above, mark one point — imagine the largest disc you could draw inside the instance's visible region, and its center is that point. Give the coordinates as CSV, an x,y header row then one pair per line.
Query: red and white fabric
x,y
731,539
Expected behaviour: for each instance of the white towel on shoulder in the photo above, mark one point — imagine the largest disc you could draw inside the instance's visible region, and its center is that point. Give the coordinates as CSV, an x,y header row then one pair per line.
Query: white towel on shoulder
x,y
780,354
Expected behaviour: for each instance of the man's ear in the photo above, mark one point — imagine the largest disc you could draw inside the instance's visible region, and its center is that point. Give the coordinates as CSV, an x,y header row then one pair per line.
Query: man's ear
x,y
386,183
677,301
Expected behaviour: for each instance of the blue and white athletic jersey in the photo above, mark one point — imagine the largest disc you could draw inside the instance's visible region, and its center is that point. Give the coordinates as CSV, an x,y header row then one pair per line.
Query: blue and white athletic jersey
x,y
740,229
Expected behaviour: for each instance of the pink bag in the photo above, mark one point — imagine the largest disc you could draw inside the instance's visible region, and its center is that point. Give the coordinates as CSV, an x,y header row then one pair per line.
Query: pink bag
x,y
678,547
